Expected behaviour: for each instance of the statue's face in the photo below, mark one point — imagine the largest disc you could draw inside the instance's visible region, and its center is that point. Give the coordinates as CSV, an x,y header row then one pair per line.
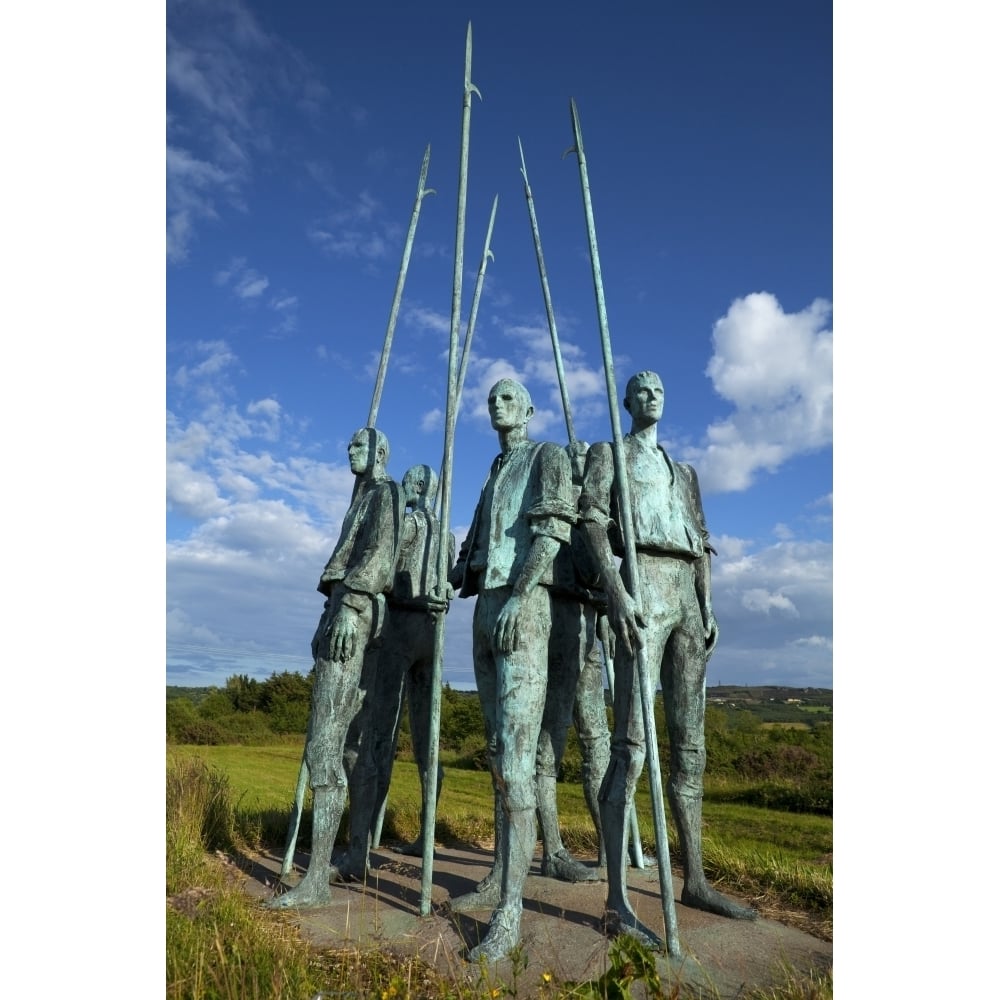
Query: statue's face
x,y
509,405
358,452
645,400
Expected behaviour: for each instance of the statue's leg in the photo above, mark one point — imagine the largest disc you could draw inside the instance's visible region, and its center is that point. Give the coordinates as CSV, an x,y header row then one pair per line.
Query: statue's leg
x,y
683,681
521,686
369,762
628,754
487,893
335,700
591,720
564,658
418,680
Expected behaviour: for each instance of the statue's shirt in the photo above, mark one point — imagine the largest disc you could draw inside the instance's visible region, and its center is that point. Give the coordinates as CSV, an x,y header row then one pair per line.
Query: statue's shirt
x,y
364,558
417,563
666,505
529,492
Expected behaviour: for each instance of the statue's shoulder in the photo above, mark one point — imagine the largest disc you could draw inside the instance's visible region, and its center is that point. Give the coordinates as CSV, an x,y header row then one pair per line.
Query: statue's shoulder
x,y
549,449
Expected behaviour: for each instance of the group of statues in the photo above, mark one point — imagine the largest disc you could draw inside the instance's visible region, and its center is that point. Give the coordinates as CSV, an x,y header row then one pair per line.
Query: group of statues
x,y
539,558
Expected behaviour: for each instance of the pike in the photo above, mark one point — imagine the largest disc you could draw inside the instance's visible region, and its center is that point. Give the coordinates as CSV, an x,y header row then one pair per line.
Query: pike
x,y
469,330
295,817
628,533
637,858
546,296
445,481
422,192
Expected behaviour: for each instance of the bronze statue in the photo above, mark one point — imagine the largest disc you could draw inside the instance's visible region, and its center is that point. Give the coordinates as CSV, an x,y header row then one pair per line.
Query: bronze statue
x,y
676,626
575,694
522,519
355,581
405,662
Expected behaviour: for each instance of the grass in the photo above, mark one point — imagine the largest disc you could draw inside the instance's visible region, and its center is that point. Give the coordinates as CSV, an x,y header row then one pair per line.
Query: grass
x,y
222,946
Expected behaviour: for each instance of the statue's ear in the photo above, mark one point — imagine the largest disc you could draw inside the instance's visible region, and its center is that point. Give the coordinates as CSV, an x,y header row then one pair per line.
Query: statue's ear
x,y
528,413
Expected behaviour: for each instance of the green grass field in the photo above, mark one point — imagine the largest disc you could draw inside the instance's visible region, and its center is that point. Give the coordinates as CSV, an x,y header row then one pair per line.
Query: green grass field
x,y
781,859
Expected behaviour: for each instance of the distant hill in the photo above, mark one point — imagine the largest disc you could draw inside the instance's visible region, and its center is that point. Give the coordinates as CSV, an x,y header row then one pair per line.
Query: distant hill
x,y
767,694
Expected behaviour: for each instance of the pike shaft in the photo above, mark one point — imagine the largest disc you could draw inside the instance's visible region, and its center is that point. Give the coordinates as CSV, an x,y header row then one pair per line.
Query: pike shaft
x,y
398,295
430,784
628,535
549,312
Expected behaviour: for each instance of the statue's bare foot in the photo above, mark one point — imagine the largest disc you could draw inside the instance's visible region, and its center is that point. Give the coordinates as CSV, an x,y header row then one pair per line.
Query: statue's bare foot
x,y
491,882
485,899
502,937
348,869
563,866
707,899
624,921
308,893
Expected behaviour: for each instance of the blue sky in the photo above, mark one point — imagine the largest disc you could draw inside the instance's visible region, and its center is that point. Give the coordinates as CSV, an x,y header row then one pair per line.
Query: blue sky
x,y
295,135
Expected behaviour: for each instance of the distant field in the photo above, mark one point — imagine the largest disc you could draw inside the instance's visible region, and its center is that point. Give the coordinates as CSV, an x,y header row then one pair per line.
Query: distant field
x,y
263,779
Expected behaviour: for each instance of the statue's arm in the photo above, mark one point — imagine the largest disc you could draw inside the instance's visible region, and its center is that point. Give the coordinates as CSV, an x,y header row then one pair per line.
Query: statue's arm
x,y
595,516
703,568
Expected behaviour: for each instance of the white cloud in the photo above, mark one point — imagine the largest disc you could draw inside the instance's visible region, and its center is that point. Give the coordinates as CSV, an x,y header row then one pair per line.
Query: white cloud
x,y
778,600
776,369
432,420
245,282
759,599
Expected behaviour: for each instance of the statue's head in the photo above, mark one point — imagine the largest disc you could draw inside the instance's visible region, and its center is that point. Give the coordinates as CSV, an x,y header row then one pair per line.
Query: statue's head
x,y
368,451
420,481
509,404
644,396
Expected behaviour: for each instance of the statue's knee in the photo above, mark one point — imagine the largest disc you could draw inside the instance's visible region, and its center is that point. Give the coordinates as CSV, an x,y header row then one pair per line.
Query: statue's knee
x,y
687,770
620,778
518,792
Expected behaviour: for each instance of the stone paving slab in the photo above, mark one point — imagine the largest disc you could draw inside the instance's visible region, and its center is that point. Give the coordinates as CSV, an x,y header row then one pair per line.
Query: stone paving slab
x,y
561,927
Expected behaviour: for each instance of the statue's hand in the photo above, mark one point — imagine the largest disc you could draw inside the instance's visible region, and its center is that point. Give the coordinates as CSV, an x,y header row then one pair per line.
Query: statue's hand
x,y
506,633
627,621
711,633
343,634
456,574
436,602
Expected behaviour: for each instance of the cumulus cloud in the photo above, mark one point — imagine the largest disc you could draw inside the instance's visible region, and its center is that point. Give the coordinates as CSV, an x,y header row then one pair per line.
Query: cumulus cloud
x,y
778,598
776,369
759,599
260,520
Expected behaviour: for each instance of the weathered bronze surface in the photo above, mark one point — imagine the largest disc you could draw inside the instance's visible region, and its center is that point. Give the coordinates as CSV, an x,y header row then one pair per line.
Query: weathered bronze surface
x,y
355,581
675,629
404,667
523,517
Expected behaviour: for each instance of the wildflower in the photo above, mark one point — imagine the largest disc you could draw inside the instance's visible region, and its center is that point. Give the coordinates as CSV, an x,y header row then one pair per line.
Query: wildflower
x,y
546,977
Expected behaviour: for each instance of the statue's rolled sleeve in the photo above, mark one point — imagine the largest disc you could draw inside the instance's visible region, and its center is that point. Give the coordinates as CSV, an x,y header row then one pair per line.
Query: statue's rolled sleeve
x,y
598,477
552,518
